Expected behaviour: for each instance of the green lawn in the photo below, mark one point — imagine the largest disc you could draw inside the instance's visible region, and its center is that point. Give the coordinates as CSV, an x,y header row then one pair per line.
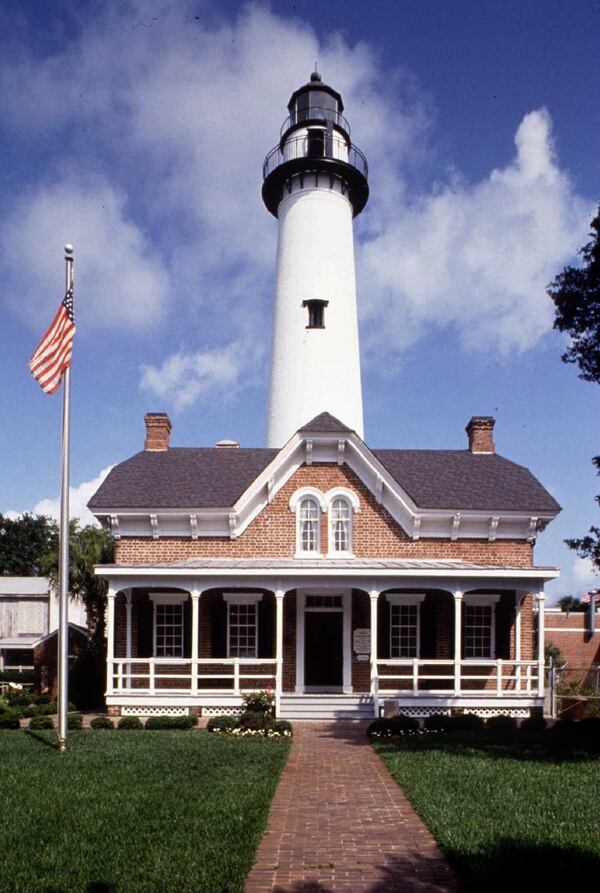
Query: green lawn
x,y
506,812
133,812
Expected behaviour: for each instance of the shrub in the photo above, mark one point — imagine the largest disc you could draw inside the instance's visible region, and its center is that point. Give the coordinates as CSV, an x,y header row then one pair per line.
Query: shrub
x,y
564,726
282,727
466,722
26,677
394,726
41,699
534,724
258,702
501,724
9,720
590,726
74,721
102,722
130,723
28,712
41,722
171,722
222,723
255,721
437,723
20,699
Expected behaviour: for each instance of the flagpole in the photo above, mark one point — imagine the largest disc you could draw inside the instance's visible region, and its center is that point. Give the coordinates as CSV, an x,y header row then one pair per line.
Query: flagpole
x,y
63,566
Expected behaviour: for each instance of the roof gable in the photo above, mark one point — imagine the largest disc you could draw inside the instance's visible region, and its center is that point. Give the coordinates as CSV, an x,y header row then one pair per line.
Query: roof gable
x,y
325,423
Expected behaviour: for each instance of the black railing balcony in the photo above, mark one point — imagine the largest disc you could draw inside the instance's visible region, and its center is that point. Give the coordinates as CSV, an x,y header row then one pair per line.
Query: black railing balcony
x,y
316,114
317,144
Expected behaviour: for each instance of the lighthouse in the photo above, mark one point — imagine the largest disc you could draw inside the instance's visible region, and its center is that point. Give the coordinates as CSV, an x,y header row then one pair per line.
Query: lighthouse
x,y
315,183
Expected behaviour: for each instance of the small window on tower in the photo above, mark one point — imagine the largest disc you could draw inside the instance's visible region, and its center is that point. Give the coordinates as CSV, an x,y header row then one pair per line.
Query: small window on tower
x,y
316,313
315,142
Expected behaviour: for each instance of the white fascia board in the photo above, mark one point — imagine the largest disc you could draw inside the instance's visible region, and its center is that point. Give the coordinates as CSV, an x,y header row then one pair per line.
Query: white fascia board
x,y
279,470
110,572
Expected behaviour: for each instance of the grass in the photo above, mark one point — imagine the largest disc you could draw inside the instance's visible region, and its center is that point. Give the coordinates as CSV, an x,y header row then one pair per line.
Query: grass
x,y
506,811
133,812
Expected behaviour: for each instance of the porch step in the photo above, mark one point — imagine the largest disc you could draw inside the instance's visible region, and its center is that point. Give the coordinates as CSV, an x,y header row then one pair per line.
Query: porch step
x,y
326,706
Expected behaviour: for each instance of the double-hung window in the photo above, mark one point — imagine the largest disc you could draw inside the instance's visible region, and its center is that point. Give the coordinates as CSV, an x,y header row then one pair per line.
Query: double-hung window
x,y
479,626
340,525
308,525
168,628
242,624
405,623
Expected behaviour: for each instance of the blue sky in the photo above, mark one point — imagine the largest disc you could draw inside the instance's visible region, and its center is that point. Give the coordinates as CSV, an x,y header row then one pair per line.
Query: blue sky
x,y
137,131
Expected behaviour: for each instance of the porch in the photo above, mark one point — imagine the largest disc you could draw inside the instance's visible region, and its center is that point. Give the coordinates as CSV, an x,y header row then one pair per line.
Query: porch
x,y
331,638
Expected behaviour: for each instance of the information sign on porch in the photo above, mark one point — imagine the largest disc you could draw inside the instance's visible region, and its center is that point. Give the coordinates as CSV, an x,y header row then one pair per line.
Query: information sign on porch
x,y
361,641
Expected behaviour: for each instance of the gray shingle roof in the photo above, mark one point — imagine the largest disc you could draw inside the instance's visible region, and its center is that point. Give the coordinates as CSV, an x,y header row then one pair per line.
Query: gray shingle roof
x,y
209,477
181,477
459,479
324,424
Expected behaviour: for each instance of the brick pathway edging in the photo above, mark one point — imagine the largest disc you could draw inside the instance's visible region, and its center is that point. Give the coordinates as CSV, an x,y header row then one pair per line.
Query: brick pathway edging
x,y
339,822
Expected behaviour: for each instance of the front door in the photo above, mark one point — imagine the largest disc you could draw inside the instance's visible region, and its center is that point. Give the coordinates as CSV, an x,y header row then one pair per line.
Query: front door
x,y
323,649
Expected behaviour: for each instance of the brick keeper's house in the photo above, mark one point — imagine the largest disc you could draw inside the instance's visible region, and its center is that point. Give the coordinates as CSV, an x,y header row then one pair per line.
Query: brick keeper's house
x,y
339,575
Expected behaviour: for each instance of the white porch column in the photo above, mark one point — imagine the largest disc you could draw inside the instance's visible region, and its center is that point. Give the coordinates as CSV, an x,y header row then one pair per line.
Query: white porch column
x,y
195,594
458,597
374,598
128,609
128,612
518,603
110,638
279,596
541,600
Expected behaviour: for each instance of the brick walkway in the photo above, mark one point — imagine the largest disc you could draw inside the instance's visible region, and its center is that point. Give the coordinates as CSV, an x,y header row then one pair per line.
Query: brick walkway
x,y
339,822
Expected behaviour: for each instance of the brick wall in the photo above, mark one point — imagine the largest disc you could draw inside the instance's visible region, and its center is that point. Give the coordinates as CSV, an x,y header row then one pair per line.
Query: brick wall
x,y
273,533
569,632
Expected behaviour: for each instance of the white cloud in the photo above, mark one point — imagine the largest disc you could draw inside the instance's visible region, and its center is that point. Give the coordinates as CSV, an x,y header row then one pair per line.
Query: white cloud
x,y
477,256
121,281
584,573
577,577
179,105
185,377
78,499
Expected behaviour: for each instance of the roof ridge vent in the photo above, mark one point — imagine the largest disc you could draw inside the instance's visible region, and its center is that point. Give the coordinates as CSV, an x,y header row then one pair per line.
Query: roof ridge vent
x,y
227,444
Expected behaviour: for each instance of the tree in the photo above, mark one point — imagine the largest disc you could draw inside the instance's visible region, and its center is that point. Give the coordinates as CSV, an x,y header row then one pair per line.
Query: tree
x,y
88,546
570,603
576,296
25,544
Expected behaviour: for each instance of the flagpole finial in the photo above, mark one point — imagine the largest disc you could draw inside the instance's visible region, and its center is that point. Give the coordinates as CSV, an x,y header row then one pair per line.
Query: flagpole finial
x,y
68,248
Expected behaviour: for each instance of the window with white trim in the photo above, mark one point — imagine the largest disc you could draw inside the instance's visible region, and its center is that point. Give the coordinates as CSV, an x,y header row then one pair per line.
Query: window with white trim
x,y
404,630
168,629
242,624
340,525
242,630
308,525
478,630
405,623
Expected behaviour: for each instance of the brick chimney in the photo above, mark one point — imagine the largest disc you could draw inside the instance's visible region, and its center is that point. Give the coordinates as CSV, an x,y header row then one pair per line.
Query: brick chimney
x,y
158,429
480,431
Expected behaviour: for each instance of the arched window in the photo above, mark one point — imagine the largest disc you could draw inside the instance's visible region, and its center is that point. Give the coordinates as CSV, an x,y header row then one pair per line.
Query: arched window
x,y
340,525
308,525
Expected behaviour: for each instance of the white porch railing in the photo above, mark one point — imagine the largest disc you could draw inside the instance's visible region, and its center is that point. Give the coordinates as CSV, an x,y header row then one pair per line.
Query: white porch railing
x,y
412,676
169,675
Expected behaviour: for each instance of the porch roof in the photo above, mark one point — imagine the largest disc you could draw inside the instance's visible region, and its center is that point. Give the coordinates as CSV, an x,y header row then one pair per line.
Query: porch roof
x,y
326,567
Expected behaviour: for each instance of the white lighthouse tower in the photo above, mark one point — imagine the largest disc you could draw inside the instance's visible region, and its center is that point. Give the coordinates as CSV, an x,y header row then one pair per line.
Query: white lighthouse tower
x,y
315,183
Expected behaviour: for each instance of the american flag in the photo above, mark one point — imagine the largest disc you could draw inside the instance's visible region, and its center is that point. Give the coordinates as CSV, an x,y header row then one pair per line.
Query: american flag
x,y
53,354
586,597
